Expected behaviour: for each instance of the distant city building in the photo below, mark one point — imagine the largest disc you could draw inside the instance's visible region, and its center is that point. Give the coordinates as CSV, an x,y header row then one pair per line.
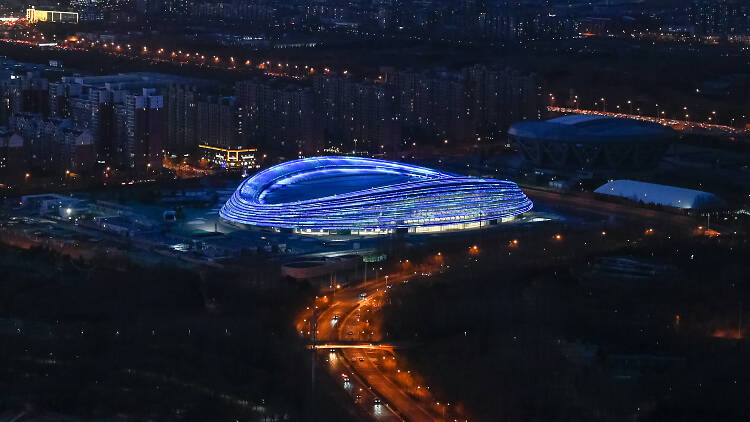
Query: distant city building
x,y
181,103
134,119
279,117
396,112
145,129
91,14
53,145
720,17
38,15
44,139
232,10
218,122
591,143
356,117
78,153
131,117
195,118
231,158
12,157
25,93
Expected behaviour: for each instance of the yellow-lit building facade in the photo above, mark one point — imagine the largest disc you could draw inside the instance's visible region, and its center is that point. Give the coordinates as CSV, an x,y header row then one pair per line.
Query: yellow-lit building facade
x,y
230,158
39,15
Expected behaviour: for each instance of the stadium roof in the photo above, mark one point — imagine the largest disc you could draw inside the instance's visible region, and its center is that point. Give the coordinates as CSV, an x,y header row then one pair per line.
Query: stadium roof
x,y
353,193
587,128
660,194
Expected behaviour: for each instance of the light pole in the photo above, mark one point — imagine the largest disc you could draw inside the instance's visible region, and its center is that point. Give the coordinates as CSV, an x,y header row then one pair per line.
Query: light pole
x,y
604,105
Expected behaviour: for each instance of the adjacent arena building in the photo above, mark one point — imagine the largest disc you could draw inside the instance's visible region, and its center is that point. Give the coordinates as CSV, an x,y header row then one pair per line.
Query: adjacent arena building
x,y
668,196
591,143
351,195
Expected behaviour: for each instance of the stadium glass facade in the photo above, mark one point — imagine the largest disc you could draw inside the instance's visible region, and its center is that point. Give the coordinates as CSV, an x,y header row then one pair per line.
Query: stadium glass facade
x,y
323,195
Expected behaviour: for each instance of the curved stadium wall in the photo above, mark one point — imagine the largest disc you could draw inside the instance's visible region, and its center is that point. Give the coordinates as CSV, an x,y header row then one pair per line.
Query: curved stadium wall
x,y
368,196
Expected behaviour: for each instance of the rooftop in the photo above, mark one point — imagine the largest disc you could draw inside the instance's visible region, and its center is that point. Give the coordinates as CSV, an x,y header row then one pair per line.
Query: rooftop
x,y
581,128
332,183
652,193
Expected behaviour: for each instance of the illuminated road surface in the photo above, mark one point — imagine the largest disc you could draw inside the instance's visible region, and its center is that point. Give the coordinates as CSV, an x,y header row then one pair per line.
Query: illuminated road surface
x,y
365,366
340,363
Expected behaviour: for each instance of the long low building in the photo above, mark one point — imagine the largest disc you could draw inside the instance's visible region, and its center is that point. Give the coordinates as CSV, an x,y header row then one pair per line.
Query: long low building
x,y
34,15
664,195
351,195
591,143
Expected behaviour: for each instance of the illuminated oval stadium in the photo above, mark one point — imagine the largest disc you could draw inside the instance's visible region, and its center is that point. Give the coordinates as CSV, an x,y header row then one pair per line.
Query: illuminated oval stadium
x,y
354,195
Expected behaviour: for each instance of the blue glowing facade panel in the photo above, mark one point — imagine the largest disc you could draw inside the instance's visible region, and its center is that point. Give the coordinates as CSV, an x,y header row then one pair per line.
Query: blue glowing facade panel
x,y
351,193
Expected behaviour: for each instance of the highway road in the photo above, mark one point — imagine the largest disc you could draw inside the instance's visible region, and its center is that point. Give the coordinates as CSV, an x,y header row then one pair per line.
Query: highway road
x,y
348,319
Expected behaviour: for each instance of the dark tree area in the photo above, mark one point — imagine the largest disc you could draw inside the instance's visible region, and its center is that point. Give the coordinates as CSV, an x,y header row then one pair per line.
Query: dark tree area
x,y
515,342
99,339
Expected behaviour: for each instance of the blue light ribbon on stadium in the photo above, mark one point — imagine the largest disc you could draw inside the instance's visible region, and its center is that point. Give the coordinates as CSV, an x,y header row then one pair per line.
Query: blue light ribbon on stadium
x,y
429,198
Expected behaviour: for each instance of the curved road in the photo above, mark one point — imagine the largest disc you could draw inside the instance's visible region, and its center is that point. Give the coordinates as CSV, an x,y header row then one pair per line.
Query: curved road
x,y
347,317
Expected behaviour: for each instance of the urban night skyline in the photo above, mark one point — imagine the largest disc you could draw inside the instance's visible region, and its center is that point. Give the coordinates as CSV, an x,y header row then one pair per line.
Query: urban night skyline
x,y
374,210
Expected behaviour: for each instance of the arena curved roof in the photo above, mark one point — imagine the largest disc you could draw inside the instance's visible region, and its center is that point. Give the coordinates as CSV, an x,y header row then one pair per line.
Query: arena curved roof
x,y
587,128
352,193
665,195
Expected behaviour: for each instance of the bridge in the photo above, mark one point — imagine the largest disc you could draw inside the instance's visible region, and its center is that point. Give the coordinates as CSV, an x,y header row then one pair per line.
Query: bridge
x,y
356,345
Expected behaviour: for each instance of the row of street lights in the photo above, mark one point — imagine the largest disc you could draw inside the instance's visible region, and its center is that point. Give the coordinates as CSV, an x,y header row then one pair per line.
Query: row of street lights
x,y
711,118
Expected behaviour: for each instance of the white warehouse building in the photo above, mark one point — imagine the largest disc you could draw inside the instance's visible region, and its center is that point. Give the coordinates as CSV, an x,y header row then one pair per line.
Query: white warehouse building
x,y
668,196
